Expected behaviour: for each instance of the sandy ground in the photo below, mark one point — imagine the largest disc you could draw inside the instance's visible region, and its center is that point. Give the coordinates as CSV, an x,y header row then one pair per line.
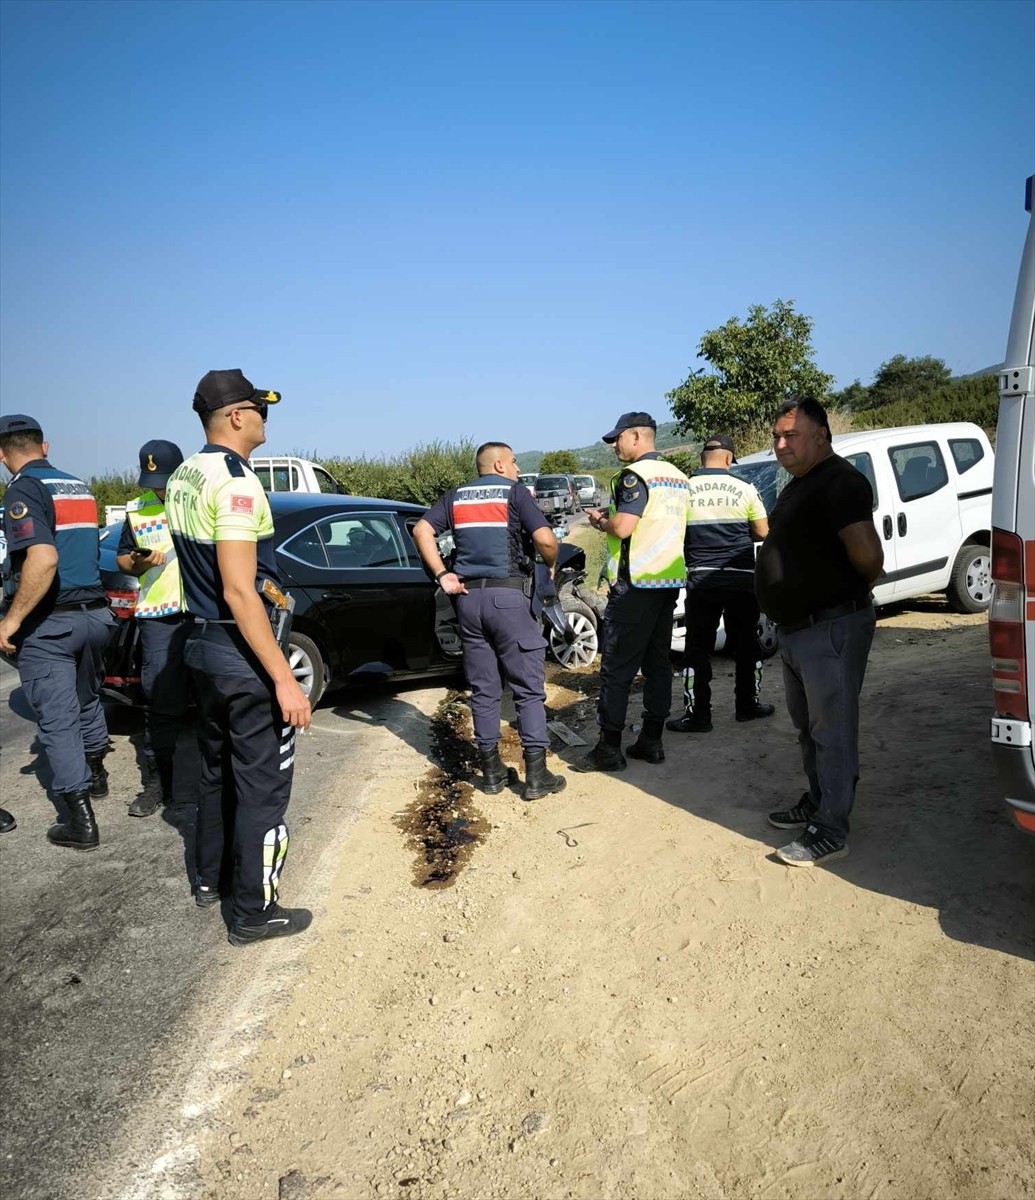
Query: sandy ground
x,y
650,1006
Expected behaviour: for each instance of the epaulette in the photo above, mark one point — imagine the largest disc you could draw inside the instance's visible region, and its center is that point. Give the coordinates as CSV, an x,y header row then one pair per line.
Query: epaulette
x,y
233,465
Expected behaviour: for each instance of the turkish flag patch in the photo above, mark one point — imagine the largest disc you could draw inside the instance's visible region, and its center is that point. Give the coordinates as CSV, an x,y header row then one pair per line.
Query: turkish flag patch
x,y
242,504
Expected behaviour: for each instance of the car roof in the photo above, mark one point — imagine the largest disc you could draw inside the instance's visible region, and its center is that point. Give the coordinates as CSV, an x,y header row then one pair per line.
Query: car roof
x,y
284,503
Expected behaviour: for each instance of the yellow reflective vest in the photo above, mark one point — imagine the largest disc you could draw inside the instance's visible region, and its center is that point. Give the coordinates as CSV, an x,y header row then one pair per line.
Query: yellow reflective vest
x,y
161,593
656,544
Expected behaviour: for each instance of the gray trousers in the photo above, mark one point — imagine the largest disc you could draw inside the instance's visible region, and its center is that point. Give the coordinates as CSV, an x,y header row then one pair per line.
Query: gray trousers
x,y
823,669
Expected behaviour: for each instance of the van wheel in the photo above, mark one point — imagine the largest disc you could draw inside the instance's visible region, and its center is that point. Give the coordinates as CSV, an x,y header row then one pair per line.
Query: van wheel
x,y
307,666
970,585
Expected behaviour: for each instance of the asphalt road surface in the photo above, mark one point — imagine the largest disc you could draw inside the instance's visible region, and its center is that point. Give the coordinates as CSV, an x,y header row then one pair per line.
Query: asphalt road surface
x,y
110,976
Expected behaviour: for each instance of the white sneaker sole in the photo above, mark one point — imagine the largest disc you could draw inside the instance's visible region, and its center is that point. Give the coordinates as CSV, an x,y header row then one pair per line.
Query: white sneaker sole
x,y
787,860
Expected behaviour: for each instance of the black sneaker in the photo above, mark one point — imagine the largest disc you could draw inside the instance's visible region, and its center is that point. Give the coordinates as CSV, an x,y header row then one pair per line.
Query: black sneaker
x,y
280,922
206,897
811,848
790,818
149,798
694,723
759,711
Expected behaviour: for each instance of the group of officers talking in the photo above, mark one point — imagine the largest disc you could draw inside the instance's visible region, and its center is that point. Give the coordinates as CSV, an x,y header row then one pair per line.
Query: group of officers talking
x,y
212,617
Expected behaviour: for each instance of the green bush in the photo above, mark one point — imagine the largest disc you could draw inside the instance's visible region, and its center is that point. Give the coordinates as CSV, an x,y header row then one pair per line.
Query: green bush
x,y
418,476
975,400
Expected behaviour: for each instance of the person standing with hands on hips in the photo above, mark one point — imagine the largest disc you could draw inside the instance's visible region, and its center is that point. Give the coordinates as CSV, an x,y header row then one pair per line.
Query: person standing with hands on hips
x,y
645,527
249,702
813,578
56,621
146,551
497,527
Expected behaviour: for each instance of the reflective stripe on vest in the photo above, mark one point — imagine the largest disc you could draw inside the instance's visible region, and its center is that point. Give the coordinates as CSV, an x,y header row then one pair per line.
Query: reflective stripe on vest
x,y
656,544
161,594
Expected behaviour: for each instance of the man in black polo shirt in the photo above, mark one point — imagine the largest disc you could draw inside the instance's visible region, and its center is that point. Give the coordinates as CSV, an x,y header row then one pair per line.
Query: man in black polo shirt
x,y
813,578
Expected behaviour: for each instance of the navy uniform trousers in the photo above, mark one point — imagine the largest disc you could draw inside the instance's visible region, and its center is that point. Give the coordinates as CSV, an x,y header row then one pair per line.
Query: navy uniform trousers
x,y
637,635
165,682
738,609
503,643
60,665
247,764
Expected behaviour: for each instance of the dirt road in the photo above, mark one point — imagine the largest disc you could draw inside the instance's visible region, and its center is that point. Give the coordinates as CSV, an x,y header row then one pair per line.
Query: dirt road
x,y
651,1006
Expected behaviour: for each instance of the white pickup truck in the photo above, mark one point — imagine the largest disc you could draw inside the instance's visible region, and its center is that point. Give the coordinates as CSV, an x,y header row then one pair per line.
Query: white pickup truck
x,y
276,474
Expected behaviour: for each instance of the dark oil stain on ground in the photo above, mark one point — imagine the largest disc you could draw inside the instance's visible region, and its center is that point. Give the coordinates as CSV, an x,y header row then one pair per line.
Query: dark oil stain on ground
x,y
442,825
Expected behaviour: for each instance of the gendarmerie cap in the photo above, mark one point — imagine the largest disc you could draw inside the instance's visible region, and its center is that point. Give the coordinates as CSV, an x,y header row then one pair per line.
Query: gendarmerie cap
x,y
632,420
19,423
719,441
218,389
158,460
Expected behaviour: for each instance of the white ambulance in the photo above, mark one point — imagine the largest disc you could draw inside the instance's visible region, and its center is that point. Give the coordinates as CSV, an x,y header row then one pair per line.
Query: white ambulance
x,y
1011,617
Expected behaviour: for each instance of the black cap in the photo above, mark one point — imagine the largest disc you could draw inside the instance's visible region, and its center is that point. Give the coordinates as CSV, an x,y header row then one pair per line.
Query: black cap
x,y
18,423
158,460
633,420
218,389
719,441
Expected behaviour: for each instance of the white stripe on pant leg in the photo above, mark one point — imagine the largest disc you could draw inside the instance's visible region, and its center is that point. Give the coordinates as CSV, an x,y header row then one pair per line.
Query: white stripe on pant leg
x,y
287,747
274,848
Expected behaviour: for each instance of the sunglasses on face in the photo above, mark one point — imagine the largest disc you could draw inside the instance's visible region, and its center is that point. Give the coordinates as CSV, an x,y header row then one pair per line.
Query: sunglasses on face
x,y
262,409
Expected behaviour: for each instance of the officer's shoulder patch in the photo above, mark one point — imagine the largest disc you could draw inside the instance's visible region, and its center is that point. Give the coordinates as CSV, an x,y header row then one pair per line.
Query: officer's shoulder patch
x,y
629,480
18,510
234,466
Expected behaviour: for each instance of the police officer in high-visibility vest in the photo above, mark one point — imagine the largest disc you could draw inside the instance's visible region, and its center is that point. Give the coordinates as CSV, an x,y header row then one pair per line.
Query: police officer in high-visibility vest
x,y
146,550
727,517
645,527
249,702
497,526
56,621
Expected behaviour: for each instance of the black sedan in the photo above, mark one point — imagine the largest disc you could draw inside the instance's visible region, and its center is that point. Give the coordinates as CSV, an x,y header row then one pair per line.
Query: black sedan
x,y
364,606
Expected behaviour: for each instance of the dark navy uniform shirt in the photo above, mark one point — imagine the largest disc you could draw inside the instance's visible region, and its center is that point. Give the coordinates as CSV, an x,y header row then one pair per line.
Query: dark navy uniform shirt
x,y
492,519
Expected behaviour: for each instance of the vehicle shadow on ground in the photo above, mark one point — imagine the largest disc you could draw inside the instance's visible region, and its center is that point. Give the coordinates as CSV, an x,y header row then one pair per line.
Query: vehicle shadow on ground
x,y
929,825
385,705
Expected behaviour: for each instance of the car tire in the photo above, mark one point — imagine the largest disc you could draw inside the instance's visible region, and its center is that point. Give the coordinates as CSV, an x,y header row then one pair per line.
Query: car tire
x,y
307,666
583,650
970,584
768,637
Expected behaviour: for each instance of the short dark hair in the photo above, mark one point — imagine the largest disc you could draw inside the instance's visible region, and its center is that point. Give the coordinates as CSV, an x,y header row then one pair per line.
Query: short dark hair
x,y
21,440
811,407
485,447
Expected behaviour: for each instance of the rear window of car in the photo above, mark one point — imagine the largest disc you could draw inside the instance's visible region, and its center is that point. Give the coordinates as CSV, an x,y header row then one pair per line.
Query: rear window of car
x,y
551,481
585,481
966,453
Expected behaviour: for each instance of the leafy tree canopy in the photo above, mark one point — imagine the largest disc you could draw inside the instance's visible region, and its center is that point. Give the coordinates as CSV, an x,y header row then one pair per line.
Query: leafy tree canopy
x,y
902,378
559,462
756,365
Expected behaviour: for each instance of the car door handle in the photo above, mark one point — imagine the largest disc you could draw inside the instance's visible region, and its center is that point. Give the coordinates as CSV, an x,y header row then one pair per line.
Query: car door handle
x,y
887,529
902,524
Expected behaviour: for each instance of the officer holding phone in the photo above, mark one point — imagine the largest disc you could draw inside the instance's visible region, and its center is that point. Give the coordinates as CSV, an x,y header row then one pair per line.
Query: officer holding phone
x,y
146,551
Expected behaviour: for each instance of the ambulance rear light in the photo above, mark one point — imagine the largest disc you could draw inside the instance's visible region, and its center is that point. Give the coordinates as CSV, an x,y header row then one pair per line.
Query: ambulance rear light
x,y
122,604
1006,626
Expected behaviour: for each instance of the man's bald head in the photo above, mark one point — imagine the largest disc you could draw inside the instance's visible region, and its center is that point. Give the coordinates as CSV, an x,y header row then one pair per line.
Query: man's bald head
x,y
496,458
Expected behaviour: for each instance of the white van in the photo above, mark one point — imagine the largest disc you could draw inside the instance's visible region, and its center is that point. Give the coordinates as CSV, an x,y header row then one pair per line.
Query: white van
x,y
1011,621
289,474
932,506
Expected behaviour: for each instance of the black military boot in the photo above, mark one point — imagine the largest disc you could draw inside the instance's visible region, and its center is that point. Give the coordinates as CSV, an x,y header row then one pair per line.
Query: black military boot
x,y
157,790
648,745
98,775
494,772
538,780
606,755
79,831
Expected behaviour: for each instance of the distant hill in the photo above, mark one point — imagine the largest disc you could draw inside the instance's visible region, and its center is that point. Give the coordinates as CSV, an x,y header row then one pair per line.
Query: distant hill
x,y
601,455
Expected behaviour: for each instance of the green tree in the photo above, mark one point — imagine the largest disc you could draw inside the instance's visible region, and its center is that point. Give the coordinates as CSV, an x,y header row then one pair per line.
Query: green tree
x,y
559,462
855,397
755,366
902,378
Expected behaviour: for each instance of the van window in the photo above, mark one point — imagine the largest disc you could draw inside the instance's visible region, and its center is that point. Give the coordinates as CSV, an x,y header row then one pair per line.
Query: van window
x,y
264,477
966,453
325,481
919,469
864,465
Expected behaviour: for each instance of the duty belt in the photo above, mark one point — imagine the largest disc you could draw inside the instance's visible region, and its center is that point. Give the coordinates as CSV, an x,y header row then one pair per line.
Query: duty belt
x,y
512,582
100,602
827,614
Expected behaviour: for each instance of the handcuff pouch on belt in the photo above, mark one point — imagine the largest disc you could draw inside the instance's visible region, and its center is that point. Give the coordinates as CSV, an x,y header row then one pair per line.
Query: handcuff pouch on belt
x,y
280,613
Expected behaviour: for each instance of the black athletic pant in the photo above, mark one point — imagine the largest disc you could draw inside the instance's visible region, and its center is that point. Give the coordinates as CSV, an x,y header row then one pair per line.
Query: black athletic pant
x,y
247,763
739,612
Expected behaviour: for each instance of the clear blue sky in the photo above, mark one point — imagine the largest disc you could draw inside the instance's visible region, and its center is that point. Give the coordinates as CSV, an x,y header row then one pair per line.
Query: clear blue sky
x,y
515,220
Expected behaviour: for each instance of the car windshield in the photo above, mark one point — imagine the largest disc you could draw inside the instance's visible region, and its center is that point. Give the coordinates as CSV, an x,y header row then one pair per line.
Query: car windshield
x,y
768,478
552,481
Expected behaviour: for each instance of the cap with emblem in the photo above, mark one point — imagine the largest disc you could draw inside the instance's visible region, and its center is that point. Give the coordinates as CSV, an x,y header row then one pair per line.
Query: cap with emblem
x,y
19,423
630,420
219,389
158,460
719,441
